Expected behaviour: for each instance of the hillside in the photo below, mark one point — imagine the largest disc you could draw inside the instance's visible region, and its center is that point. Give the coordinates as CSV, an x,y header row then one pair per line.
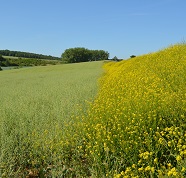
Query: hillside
x,y
137,125
21,54
11,61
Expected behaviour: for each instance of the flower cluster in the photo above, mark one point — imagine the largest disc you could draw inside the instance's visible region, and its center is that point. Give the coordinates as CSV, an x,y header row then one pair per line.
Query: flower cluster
x,y
136,127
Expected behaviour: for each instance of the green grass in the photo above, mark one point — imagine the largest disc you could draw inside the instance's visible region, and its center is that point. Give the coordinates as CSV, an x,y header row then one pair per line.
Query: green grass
x,y
10,57
36,104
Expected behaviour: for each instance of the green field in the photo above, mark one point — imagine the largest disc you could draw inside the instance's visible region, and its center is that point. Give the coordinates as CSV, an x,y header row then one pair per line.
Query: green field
x,y
10,57
116,119
13,57
35,105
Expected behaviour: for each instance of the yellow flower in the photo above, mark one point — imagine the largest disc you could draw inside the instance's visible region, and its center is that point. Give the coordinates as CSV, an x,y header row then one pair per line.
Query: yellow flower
x,y
152,169
178,158
140,169
128,169
156,160
117,175
169,173
148,168
172,172
183,169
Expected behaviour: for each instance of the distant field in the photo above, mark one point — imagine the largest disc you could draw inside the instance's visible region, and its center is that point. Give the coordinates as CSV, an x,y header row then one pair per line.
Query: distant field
x,y
12,67
13,57
10,57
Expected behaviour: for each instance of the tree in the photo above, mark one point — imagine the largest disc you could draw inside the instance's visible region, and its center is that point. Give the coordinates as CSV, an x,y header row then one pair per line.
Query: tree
x,y
132,56
2,59
115,58
73,55
98,55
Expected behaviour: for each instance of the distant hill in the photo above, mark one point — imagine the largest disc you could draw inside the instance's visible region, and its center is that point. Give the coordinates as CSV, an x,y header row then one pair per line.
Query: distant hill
x,y
27,55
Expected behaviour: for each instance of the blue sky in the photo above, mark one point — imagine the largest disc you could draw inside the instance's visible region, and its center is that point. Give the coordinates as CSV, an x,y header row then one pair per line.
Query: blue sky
x,y
121,27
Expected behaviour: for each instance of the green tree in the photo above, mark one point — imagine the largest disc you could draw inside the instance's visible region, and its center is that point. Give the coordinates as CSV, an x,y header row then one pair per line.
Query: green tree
x,y
132,56
27,55
2,59
115,58
73,55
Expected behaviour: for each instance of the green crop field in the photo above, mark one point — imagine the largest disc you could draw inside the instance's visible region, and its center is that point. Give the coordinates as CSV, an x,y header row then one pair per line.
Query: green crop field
x,y
117,119
10,57
36,103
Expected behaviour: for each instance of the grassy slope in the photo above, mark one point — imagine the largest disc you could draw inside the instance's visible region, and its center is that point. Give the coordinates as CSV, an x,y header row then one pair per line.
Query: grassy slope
x,y
35,103
136,126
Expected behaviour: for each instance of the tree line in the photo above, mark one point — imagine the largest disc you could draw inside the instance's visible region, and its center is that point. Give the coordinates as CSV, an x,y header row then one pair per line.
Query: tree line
x,y
6,62
78,54
71,55
1,60
27,55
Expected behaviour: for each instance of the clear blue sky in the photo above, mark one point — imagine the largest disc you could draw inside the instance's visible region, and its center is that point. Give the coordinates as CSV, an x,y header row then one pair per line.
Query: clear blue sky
x,y
121,27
